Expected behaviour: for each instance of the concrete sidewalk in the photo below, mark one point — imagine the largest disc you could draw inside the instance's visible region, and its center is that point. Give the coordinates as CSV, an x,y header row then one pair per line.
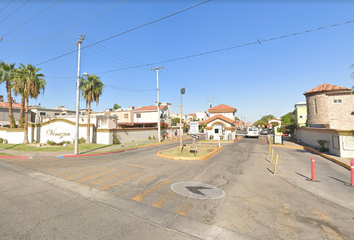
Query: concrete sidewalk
x,y
344,162
108,149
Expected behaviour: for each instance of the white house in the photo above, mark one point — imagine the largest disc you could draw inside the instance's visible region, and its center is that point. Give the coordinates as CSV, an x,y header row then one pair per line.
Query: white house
x,y
221,123
149,114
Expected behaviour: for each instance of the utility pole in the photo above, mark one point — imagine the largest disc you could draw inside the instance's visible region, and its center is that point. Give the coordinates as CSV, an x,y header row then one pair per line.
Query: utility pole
x,y
158,102
183,91
209,101
76,148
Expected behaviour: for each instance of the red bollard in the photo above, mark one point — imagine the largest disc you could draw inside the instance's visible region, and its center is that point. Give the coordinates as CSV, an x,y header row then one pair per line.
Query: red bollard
x,y
313,175
263,140
352,171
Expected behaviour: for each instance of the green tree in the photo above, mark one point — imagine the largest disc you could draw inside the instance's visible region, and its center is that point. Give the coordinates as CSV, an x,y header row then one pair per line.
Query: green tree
x,y
18,86
116,106
175,121
91,88
7,75
237,119
263,120
33,84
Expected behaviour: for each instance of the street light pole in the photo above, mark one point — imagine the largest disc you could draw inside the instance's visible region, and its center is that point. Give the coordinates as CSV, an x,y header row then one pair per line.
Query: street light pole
x,y
76,148
158,103
183,91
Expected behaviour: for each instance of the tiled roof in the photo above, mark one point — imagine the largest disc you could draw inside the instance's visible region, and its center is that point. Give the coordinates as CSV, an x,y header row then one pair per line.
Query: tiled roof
x,y
6,105
326,88
222,108
192,114
219,116
149,108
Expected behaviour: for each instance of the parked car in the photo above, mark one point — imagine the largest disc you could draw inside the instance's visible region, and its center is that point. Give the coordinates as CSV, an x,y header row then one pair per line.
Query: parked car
x,y
264,132
252,132
270,131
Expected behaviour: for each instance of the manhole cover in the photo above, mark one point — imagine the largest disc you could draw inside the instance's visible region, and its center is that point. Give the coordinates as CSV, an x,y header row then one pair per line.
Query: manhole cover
x,y
197,190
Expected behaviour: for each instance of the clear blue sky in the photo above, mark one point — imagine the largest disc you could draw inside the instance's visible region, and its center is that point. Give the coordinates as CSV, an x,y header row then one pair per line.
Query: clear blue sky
x,y
256,79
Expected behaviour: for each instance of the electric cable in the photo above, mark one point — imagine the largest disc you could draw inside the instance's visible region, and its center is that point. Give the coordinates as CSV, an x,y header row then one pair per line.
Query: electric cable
x,y
32,18
119,34
6,5
15,11
65,29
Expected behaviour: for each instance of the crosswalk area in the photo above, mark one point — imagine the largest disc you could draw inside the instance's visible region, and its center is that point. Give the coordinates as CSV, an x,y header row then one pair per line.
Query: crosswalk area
x,y
138,183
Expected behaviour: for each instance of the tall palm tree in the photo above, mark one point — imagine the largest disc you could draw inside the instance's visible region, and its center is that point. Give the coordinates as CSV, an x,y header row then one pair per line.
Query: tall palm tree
x,y
6,75
18,86
91,88
34,84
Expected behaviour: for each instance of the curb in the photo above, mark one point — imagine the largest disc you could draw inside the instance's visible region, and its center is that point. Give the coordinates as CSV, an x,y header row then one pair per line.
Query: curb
x,y
189,158
123,150
347,166
15,157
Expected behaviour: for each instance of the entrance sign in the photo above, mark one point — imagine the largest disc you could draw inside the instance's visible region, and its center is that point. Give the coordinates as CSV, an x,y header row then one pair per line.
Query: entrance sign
x,y
194,127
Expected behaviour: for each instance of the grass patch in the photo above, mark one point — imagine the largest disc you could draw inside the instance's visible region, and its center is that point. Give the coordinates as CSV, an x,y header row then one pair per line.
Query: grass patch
x,y
33,147
5,154
203,150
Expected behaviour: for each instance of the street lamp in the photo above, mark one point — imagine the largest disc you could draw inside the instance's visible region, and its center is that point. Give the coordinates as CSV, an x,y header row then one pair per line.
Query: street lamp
x,y
76,148
183,91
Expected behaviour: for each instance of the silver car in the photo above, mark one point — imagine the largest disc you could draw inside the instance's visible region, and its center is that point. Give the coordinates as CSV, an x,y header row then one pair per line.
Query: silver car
x,y
252,132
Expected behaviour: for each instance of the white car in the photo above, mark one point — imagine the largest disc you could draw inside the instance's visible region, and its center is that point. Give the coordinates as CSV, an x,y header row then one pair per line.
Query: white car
x,y
252,132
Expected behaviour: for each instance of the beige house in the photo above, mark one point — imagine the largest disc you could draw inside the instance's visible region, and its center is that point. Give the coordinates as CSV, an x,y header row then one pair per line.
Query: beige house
x,y
330,117
330,106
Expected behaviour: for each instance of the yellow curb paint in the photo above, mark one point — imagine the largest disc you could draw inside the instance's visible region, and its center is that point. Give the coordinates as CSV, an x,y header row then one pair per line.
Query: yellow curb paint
x,y
189,158
164,199
134,165
141,196
347,166
120,181
80,180
102,180
184,209
83,173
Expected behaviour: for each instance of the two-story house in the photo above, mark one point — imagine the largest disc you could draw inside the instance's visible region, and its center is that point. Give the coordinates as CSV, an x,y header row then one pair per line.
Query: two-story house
x,y
149,114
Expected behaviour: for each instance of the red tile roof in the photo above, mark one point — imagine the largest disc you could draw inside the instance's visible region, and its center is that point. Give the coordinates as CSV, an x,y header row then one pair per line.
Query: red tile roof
x,y
326,88
149,108
6,105
219,116
222,108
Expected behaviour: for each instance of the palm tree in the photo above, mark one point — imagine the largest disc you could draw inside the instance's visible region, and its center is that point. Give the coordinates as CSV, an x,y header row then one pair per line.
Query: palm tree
x,y
33,85
91,88
6,75
18,86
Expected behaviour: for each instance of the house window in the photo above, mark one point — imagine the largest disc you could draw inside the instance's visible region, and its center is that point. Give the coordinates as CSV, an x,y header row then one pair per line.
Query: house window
x,y
138,115
337,101
42,113
300,116
56,114
315,105
126,115
216,131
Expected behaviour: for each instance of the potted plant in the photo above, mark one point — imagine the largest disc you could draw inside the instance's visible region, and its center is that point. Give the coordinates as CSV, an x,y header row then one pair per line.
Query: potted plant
x,y
211,136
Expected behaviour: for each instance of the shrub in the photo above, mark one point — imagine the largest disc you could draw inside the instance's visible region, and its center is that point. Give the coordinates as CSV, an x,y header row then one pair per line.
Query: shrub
x,y
115,139
211,136
322,147
149,138
153,137
5,141
1,140
82,140
50,142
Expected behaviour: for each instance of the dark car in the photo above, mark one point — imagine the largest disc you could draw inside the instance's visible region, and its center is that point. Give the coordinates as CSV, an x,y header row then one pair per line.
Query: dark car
x,y
270,131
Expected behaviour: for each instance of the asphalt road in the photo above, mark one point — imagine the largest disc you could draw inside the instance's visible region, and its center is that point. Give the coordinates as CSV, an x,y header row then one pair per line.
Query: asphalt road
x,y
128,196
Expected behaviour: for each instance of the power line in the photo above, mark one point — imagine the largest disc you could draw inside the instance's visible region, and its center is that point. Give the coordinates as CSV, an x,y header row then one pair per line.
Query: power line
x,y
130,90
6,5
15,11
66,29
132,29
31,18
259,41
219,50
